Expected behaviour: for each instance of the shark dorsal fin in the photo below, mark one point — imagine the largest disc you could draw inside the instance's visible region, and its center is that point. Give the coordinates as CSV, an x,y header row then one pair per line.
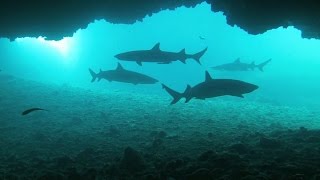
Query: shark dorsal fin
x,y
119,67
208,76
183,51
100,70
237,60
156,47
187,88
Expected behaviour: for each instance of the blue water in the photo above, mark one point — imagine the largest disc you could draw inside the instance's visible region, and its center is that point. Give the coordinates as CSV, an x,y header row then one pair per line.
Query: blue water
x,y
288,94
292,74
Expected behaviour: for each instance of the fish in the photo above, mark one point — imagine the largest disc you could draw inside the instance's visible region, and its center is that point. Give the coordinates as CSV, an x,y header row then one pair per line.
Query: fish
x,y
202,38
212,88
158,56
237,65
122,75
32,110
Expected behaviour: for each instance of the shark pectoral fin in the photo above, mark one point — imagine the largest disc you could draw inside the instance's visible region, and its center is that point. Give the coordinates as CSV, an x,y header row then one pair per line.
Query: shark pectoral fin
x,y
238,95
139,63
188,99
183,61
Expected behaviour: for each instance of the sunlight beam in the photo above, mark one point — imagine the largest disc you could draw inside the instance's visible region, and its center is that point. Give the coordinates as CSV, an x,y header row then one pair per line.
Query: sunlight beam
x,y
63,46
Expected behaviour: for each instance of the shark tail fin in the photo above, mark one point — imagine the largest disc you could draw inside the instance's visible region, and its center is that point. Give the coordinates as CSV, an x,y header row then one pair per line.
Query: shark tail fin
x,y
198,55
93,74
261,66
176,95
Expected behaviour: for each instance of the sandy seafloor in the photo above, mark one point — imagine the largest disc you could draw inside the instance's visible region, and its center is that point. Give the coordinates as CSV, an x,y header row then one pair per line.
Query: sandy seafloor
x,y
89,134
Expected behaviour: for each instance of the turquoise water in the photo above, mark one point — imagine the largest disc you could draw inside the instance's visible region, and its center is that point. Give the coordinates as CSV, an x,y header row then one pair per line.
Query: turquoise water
x,y
291,74
106,117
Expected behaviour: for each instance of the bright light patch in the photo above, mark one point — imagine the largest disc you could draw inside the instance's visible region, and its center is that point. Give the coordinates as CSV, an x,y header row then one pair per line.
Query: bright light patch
x,y
63,46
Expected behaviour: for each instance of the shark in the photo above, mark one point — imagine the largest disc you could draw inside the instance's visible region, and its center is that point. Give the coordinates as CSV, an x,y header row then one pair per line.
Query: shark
x,y
156,55
212,88
122,75
237,65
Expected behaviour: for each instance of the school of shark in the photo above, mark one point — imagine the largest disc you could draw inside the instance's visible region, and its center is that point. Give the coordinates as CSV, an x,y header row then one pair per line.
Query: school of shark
x,y
209,88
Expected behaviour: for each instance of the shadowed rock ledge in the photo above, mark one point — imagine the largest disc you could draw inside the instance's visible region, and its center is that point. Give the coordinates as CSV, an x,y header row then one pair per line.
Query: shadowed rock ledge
x,y
60,18
258,16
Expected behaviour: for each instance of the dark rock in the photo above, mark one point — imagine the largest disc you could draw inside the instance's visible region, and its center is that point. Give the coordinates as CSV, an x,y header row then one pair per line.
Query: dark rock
x,y
239,148
40,136
252,16
239,173
150,177
255,17
297,177
10,177
269,143
216,173
303,130
114,131
64,162
162,135
85,155
251,177
206,155
174,165
76,121
73,15
313,139
72,174
132,161
158,134
225,161
112,170
203,174
52,176
157,143
316,177
90,174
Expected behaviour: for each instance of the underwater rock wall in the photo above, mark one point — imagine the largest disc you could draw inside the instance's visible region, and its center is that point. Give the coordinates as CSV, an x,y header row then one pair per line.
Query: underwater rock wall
x,y
256,17
58,19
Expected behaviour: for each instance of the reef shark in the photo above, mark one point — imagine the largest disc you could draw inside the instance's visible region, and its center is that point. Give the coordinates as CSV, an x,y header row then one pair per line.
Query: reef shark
x,y
212,88
156,55
237,65
122,75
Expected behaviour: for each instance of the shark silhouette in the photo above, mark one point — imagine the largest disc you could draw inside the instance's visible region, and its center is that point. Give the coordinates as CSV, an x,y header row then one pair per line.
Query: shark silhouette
x,y
212,88
122,75
158,56
237,65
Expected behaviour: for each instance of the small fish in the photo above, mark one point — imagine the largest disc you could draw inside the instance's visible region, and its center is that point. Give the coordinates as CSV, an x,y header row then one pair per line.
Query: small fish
x,y
31,110
202,38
